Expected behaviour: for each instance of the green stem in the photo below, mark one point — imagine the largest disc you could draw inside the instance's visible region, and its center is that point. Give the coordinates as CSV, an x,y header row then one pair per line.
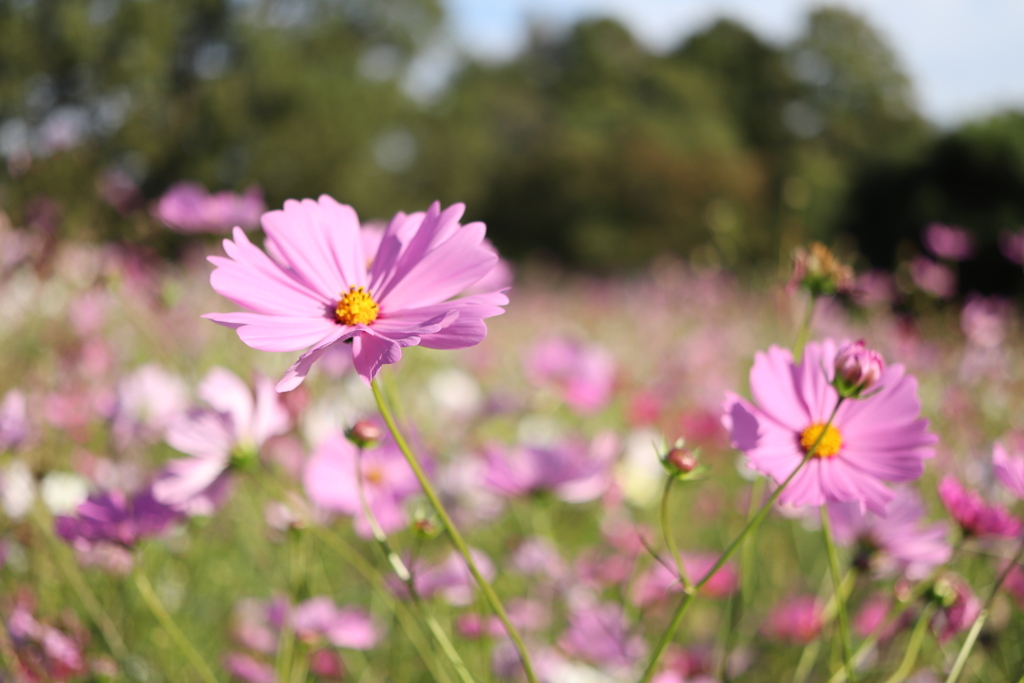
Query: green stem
x,y
805,330
161,614
69,567
670,542
807,659
979,621
833,566
684,604
906,667
405,574
453,533
355,560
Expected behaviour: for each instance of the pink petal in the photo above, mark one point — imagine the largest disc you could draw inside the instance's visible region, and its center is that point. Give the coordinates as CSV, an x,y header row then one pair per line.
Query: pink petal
x,y
370,353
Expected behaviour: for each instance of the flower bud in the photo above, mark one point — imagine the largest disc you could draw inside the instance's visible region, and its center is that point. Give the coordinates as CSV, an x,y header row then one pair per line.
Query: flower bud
x,y
819,272
858,368
364,434
681,459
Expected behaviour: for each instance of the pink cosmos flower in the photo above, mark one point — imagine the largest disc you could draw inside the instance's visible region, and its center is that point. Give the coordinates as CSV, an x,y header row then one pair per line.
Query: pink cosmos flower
x,y
1009,470
654,585
797,620
948,243
573,471
13,419
899,543
43,650
148,400
985,320
331,479
187,207
236,425
582,374
317,291
871,440
1011,244
973,514
450,579
933,278
599,634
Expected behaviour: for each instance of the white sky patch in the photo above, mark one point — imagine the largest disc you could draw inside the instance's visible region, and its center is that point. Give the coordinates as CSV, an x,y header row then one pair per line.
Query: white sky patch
x,y
964,57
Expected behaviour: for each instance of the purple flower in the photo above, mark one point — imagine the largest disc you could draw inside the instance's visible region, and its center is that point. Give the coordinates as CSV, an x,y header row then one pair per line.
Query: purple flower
x,y
973,514
235,426
899,543
573,471
317,291
187,207
654,585
451,578
332,474
599,634
872,440
1009,470
319,618
582,374
933,278
113,518
948,243
43,650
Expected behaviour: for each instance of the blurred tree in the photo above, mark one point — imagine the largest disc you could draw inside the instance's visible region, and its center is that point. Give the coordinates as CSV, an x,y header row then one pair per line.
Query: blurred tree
x,y
300,96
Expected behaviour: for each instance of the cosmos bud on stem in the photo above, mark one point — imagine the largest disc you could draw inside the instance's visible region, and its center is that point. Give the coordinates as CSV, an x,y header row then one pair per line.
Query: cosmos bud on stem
x,y
858,368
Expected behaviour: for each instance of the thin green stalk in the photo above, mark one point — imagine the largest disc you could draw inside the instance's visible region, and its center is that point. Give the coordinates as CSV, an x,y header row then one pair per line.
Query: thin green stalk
x,y
979,621
162,615
833,566
684,604
670,541
807,659
355,560
453,533
805,330
73,574
906,667
405,574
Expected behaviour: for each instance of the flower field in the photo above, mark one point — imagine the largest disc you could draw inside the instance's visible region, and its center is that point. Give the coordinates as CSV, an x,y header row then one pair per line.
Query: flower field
x,y
680,476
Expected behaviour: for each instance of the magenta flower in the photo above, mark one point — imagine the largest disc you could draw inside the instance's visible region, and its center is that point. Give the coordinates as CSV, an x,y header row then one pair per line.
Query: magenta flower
x,y
973,514
319,292
959,607
187,207
235,426
899,543
948,243
573,471
797,620
43,650
872,440
581,374
331,479
1009,470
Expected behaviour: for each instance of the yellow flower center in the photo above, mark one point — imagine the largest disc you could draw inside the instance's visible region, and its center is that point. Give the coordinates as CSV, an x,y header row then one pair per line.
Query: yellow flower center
x,y
830,442
356,307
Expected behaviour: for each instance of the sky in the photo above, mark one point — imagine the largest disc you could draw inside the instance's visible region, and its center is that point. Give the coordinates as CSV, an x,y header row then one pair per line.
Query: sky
x,y
965,57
